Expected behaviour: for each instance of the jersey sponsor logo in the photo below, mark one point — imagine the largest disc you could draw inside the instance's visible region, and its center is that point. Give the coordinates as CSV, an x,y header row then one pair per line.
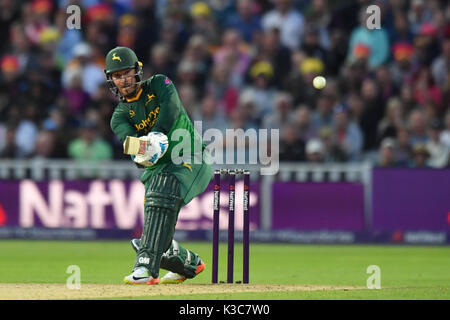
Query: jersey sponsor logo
x,y
149,122
114,57
132,113
167,81
150,98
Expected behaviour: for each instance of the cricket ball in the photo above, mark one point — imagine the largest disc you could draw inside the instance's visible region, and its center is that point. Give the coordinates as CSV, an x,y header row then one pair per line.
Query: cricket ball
x,y
319,82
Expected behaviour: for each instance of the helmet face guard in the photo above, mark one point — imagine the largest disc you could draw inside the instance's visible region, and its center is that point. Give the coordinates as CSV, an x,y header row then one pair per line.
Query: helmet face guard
x,y
138,76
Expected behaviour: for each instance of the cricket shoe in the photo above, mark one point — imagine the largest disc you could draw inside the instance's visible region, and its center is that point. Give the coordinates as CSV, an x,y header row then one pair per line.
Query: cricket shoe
x,y
175,278
140,276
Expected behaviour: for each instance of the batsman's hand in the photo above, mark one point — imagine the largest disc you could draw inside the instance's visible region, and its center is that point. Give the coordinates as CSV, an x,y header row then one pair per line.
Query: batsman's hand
x,y
156,146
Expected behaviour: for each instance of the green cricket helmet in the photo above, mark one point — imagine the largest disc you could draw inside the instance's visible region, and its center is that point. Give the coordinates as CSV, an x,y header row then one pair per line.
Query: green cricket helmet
x,y
119,59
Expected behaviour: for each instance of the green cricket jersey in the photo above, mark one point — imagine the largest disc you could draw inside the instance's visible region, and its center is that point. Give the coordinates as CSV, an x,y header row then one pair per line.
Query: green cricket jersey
x,y
157,107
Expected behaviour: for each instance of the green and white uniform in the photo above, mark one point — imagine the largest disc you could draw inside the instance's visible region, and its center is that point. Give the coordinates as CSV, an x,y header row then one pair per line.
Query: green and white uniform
x,y
168,186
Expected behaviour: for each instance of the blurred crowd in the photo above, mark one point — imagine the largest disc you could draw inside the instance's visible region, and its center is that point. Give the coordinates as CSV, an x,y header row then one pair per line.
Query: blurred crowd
x,y
236,64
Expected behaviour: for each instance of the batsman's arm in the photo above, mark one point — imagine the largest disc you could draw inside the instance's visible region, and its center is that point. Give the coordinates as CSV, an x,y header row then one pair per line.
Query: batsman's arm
x,y
121,127
169,102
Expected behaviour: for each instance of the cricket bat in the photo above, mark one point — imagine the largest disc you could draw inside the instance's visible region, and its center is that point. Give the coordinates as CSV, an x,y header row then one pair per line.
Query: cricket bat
x,y
134,146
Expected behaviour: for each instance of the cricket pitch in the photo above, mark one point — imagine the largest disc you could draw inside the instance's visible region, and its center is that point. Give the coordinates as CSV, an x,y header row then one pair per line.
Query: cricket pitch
x,y
15,291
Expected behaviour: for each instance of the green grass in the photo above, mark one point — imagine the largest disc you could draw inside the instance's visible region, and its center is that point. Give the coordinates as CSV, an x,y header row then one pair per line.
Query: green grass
x,y
407,272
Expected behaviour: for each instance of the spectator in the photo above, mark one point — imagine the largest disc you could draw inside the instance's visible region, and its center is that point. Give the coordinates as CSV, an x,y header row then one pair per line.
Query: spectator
x,y
445,135
403,148
289,21
403,67
13,82
402,31
235,54
37,18
173,35
420,156
426,44
45,145
148,27
376,41
278,55
441,65
372,114
417,127
251,110
127,35
439,152
210,116
20,45
355,106
188,96
223,9
323,115
10,15
332,151
88,147
354,73
315,151
197,52
425,90
393,118
387,153
385,83
281,113
292,148
419,13
9,150
336,53
244,20
302,119
221,87
311,45
189,73
2,136
27,131
240,119
203,22
299,83
407,97
259,91
92,74
348,135
160,62
101,28
76,97
318,15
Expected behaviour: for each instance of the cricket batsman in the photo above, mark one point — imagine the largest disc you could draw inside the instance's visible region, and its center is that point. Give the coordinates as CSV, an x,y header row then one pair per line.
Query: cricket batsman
x,y
151,111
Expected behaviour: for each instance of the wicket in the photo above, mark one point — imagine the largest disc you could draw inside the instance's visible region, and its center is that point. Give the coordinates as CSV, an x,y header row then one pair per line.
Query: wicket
x,y
231,219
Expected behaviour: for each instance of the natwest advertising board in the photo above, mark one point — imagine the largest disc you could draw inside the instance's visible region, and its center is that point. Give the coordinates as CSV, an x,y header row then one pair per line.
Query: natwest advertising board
x,y
105,204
